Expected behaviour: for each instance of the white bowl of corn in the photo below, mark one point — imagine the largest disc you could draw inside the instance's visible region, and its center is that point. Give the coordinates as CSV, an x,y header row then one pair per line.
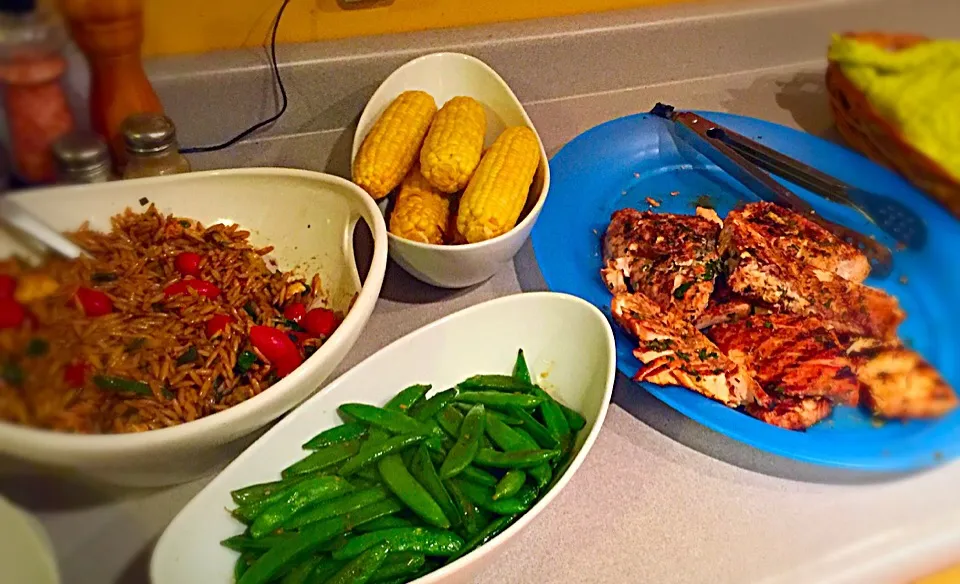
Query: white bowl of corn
x,y
457,167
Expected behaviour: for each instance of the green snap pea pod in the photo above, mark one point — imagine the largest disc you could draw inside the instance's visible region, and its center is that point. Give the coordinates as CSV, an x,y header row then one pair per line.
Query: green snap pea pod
x,y
429,408
282,558
407,398
322,458
482,497
394,422
479,476
506,418
246,513
242,564
576,421
336,435
372,452
556,422
462,453
544,437
388,522
505,437
362,568
309,492
519,459
492,530
450,419
541,473
502,383
406,488
302,573
335,543
339,506
470,516
422,469
520,370
253,493
509,485
327,568
432,542
245,543
498,399
398,564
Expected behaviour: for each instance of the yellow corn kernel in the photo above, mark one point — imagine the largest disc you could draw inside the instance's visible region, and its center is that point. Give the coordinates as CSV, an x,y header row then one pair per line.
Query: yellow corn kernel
x,y
32,287
451,151
420,212
390,149
498,190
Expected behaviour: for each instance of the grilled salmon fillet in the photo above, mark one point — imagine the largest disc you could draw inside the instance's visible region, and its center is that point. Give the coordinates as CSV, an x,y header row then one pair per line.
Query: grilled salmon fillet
x,y
790,356
724,306
673,352
898,383
758,270
793,413
670,259
799,239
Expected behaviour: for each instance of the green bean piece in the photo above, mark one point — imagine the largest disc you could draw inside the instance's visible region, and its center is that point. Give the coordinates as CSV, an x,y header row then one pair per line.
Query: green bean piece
x,y
303,572
398,564
520,370
482,497
388,522
391,421
463,452
501,383
492,530
336,435
498,399
245,543
509,485
450,419
339,506
407,398
308,492
252,493
322,458
469,514
242,565
362,568
282,558
422,469
543,436
429,408
479,476
406,488
519,459
541,473
432,542
371,451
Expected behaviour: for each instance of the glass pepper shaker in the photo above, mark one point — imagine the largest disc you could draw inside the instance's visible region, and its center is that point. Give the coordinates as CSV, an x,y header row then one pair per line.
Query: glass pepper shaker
x,y
150,140
82,158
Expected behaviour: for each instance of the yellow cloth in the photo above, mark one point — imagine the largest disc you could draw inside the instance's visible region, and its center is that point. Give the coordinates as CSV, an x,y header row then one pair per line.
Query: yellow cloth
x,y
918,89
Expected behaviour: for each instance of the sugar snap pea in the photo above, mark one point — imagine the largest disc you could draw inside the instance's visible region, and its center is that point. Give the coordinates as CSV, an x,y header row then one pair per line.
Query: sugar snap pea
x,y
433,542
544,437
247,512
336,435
519,459
308,492
470,516
242,564
506,418
252,493
467,444
373,451
492,530
326,570
499,399
244,543
388,522
503,383
509,484
361,569
450,419
479,476
503,435
427,409
407,398
556,422
483,497
541,473
395,422
303,572
574,418
322,458
398,564
338,506
406,488
520,370
422,469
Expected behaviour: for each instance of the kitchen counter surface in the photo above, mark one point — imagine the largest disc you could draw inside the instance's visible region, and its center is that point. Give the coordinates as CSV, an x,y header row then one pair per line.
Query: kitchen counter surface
x,y
660,498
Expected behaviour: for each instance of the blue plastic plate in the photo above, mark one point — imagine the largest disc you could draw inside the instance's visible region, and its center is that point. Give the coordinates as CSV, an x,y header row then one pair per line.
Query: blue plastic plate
x,y
622,162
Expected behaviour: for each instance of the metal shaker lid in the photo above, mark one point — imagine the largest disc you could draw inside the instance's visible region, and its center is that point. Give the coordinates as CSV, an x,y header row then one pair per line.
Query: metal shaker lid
x,y
81,151
148,133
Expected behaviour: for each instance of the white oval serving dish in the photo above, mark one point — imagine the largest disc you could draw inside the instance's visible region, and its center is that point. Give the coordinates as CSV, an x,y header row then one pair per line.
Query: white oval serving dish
x,y
308,216
444,76
566,340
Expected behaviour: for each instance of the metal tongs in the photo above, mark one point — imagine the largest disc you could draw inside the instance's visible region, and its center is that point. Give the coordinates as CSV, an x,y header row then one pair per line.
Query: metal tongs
x,y
743,159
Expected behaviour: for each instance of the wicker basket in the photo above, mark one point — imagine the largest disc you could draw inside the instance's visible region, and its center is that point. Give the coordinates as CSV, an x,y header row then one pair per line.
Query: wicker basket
x,y
864,129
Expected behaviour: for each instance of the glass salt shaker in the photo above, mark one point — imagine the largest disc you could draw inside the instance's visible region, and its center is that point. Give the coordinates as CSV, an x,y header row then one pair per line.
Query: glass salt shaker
x,y
152,149
82,158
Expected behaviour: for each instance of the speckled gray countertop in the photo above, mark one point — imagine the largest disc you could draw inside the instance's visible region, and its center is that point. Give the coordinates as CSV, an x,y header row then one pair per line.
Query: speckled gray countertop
x,y
660,498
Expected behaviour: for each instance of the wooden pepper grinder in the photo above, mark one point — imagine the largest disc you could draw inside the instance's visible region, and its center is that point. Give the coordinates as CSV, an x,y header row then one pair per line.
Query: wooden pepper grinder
x,y
110,33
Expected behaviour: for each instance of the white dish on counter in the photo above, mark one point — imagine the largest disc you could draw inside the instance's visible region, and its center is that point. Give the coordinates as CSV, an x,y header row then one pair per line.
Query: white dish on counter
x,y
309,217
444,76
26,554
567,341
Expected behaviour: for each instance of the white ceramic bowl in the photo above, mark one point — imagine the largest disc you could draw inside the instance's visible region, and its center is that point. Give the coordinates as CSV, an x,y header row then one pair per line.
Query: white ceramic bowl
x,y
444,76
26,554
565,339
309,217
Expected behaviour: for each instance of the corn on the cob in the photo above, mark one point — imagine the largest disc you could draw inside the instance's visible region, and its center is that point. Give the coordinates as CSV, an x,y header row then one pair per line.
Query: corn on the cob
x,y
420,213
451,151
390,149
498,190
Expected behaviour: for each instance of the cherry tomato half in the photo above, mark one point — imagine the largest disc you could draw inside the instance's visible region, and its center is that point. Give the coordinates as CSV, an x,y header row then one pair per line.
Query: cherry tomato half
x,y
75,374
217,323
320,322
277,347
295,312
8,285
202,287
188,263
94,302
12,313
